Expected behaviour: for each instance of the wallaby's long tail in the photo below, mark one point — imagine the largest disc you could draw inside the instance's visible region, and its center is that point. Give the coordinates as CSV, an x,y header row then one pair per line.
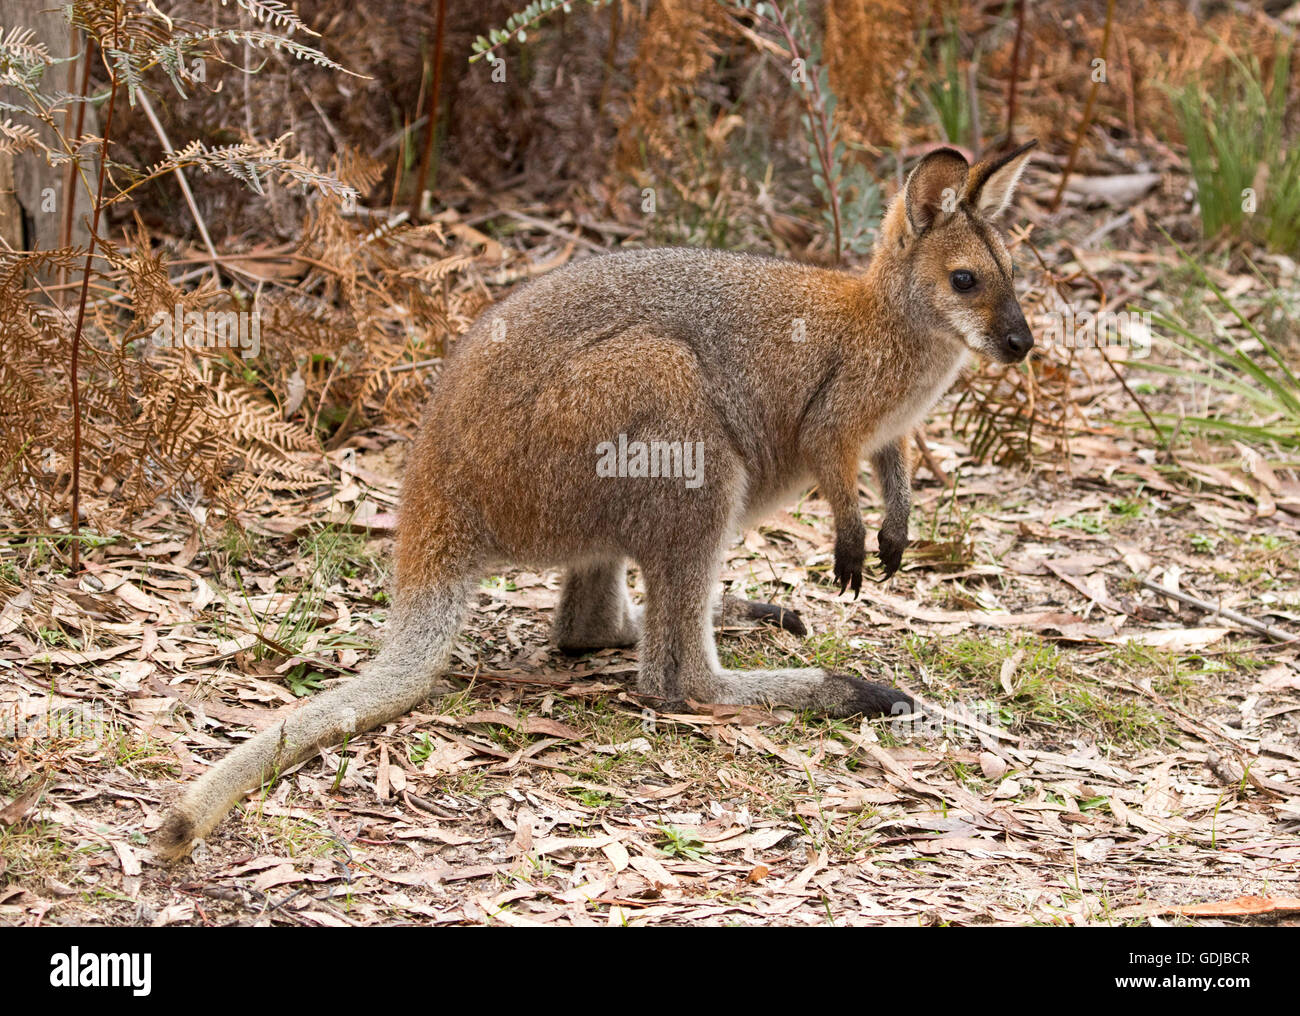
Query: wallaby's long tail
x,y
403,674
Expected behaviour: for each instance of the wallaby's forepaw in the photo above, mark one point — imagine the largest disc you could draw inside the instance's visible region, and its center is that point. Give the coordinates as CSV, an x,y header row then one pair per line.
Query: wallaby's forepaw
x,y
850,556
891,551
864,698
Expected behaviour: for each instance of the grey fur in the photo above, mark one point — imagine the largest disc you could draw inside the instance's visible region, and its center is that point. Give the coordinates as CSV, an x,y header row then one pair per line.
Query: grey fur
x,y
595,611
890,465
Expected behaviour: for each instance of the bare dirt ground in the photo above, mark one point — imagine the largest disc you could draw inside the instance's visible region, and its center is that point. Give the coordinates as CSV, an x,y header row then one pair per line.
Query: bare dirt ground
x,y
1108,755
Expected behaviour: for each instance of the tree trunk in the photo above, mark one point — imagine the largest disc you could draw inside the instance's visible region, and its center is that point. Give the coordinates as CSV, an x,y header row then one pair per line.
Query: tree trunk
x,y
32,197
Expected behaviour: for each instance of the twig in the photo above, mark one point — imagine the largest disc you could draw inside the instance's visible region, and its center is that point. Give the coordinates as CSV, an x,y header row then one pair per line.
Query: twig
x,y
1015,71
1104,230
611,54
70,175
157,126
422,804
1087,112
417,365
547,227
496,678
430,128
397,136
1134,396
1277,634
931,463
1031,395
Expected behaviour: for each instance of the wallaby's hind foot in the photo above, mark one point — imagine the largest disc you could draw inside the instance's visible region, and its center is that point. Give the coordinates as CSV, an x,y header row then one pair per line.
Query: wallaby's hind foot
x,y
734,610
678,659
826,693
823,692
867,698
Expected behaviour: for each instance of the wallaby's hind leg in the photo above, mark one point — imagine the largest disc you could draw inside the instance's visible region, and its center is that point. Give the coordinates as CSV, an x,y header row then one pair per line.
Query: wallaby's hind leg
x,y
679,661
595,611
677,655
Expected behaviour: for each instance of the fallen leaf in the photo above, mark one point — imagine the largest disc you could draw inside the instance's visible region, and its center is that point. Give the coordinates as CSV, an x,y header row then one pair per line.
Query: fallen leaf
x,y
20,805
992,766
1174,639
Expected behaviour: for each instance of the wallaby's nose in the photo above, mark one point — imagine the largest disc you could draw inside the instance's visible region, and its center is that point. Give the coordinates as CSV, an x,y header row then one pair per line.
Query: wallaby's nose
x,y
1019,344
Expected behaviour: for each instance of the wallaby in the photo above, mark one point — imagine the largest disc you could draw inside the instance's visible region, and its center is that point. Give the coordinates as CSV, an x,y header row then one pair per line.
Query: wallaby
x,y
647,405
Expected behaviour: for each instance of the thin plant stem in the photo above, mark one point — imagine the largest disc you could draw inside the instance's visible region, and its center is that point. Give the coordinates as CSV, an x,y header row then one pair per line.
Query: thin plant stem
x,y
81,304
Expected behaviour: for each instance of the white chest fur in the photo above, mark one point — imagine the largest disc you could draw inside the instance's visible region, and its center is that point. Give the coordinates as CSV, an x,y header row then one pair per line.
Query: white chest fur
x,y
924,393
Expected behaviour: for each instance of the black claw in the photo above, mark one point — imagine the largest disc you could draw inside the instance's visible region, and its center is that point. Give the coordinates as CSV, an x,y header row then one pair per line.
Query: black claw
x,y
850,556
891,552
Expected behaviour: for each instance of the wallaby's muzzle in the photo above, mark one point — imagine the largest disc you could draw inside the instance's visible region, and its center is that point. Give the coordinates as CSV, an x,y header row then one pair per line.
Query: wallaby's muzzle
x,y
1016,338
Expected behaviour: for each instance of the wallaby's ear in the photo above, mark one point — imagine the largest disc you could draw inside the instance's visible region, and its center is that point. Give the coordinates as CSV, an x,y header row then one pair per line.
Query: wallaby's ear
x,y
934,188
993,181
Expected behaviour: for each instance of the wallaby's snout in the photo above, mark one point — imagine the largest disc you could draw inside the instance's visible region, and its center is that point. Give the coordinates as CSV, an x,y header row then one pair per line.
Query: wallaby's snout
x,y
1017,339
1018,345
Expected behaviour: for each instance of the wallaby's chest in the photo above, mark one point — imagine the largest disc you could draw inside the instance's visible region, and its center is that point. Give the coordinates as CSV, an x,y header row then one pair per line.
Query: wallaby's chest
x,y
916,400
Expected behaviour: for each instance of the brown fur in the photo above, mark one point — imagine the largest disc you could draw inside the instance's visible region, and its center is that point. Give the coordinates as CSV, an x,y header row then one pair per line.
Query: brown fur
x,y
783,373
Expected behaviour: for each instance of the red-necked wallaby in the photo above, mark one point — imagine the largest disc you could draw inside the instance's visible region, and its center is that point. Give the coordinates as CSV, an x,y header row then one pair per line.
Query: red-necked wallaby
x,y
647,405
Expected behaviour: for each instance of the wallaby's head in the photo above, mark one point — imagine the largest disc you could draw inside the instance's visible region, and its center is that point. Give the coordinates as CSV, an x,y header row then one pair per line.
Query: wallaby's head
x,y
938,246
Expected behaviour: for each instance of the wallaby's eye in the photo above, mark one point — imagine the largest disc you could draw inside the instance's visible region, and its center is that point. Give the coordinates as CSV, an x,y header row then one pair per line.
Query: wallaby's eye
x,y
962,280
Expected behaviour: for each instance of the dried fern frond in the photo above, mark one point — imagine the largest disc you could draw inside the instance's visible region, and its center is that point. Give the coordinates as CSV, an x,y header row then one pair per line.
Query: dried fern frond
x,y
16,47
196,422
274,13
678,46
358,170
252,421
868,46
16,137
250,163
203,40
436,271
